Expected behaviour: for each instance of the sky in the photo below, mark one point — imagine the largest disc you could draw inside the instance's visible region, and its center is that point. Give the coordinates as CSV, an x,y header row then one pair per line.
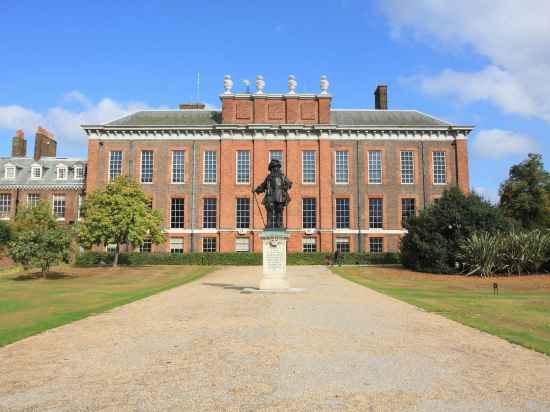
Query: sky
x,y
471,62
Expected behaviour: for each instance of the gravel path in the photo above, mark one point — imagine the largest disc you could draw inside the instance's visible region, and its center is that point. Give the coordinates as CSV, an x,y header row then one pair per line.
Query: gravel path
x,y
203,346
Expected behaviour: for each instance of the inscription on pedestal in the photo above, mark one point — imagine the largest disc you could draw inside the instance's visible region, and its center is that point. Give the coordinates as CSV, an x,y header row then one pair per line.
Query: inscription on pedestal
x,y
274,256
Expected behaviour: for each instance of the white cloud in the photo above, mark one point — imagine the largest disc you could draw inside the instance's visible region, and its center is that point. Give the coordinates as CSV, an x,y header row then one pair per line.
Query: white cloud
x,y
498,144
65,123
513,36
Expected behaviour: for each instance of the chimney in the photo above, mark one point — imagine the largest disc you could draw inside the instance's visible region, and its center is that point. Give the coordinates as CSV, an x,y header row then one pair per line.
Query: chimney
x,y
44,144
381,97
19,145
192,106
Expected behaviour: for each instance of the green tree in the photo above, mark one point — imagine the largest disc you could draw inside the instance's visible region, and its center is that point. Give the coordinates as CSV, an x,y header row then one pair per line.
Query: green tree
x,y
5,234
119,214
525,195
38,240
433,238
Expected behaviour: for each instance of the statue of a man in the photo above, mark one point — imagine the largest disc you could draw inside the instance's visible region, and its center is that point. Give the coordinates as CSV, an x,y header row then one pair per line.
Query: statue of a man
x,y
276,186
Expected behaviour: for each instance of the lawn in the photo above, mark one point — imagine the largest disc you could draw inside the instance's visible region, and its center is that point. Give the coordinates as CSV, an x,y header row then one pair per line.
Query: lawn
x,y
519,314
29,305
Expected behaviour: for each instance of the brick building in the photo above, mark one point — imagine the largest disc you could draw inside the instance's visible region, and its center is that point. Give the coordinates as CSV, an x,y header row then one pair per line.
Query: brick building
x,y
357,173
26,180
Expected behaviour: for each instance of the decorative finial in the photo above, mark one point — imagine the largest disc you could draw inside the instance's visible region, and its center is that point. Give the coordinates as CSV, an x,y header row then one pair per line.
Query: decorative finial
x,y
324,84
260,84
227,84
292,83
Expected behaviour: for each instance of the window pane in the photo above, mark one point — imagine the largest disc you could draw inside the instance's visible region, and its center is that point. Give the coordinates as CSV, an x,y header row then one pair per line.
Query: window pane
x,y
243,213
9,172
376,213
176,245
342,244
308,166
408,209
209,244
407,168
309,244
5,204
439,168
147,166
242,244
209,213
243,166
376,244
309,213
59,206
146,246
33,199
177,214
210,166
61,173
342,213
36,172
342,167
115,164
79,172
375,167
178,166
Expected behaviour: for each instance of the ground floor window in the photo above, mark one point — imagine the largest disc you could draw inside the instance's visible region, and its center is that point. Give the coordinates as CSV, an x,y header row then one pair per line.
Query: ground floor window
x,y
176,245
111,248
309,244
342,244
242,244
5,204
146,246
376,244
209,244
33,199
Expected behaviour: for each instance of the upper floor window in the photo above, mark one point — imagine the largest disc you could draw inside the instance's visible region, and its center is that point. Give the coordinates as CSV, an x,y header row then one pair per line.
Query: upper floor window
x,y
147,166
243,166
59,206
243,213
36,171
375,167
342,167
308,166
407,167
309,213
5,205
79,172
178,166
276,155
177,213
342,213
439,168
115,164
61,172
408,209
209,213
376,213
9,172
210,167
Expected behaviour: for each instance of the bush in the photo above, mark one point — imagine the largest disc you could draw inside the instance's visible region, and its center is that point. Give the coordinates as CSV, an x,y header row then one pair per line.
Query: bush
x,y
433,238
219,259
480,254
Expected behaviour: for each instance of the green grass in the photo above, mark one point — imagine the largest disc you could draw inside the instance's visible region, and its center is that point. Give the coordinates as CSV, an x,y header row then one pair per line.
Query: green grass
x,y
519,314
29,305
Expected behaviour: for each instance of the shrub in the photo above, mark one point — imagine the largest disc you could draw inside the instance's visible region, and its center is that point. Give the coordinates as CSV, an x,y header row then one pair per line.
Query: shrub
x,y
480,254
433,238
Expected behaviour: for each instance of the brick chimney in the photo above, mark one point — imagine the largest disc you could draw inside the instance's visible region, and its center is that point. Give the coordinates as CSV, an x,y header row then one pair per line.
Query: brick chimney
x,y
19,145
44,144
381,97
192,106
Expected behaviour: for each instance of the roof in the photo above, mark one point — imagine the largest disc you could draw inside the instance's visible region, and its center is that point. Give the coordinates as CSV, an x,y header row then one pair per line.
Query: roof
x,y
49,177
339,117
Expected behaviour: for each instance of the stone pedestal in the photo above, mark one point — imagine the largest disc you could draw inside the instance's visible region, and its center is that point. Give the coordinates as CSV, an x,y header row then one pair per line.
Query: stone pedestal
x,y
274,260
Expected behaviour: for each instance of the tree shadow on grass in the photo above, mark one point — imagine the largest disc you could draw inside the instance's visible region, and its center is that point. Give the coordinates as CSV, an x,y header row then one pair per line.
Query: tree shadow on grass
x,y
38,275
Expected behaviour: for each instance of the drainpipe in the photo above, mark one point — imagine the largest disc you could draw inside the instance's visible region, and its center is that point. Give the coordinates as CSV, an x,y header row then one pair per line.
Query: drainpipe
x,y
456,154
193,178
358,201
423,174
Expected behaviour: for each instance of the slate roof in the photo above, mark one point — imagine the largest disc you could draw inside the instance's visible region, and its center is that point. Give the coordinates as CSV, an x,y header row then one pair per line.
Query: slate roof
x,y
49,177
339,117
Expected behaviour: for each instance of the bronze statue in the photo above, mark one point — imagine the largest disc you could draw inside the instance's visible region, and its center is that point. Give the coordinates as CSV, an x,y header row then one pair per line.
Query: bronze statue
x,y
276,186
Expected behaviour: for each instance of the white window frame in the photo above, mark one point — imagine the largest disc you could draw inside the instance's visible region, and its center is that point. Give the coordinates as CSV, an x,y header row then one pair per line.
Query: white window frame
x,y
58,198
142,165
79,170
5,205
443,168
34,202
7,168
304,182
239,213
36,167
242,240
204,172
375,166
407,181
309,241
240,179
336,165
111,178
344,241
177,241
182,167
65,170
210,238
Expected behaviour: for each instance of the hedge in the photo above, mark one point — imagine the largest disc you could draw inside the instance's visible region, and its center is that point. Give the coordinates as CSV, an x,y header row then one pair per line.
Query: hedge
x,y
236,258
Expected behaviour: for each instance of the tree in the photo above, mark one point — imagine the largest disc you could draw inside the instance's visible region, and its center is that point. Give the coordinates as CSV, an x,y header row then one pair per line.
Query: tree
x,y
433,238
525,195
120,214
38,240
5,235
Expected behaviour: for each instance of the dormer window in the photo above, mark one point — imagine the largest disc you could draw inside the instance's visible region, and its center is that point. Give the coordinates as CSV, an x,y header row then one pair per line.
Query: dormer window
x,y
9,172
79,172
61,171
36,172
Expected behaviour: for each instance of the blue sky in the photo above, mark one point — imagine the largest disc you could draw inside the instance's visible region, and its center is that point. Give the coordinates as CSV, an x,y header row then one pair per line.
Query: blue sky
x,y
481,62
